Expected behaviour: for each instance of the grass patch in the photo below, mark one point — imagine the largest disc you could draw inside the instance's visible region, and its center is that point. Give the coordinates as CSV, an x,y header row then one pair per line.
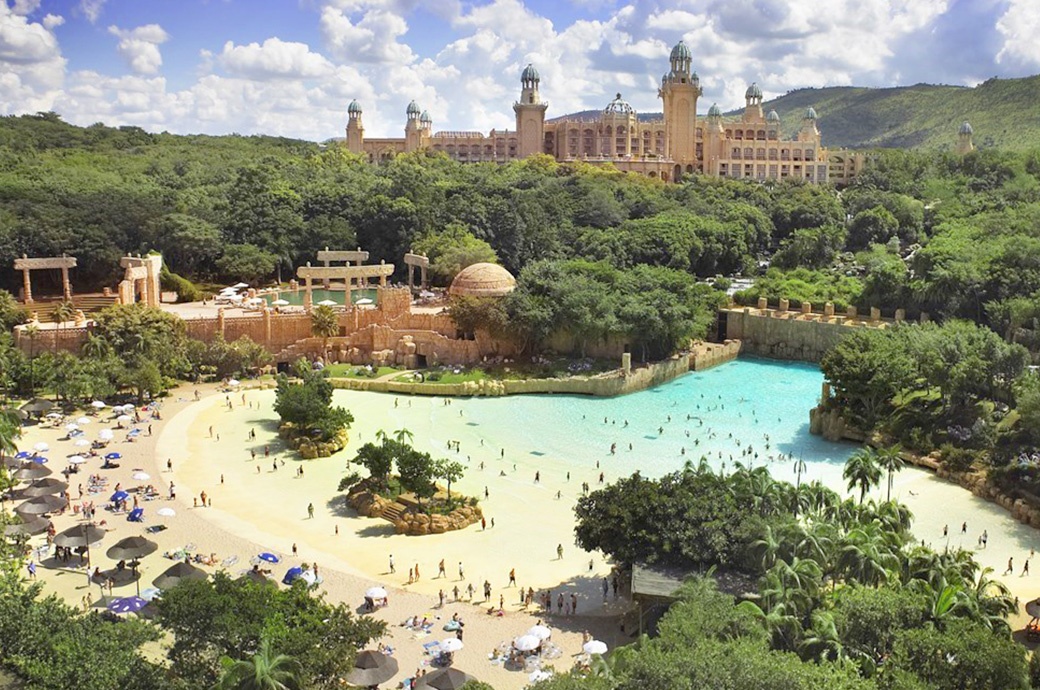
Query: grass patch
x,y
514,371
354,371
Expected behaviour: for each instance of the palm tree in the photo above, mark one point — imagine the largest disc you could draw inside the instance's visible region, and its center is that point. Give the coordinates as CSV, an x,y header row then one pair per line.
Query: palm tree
x,y
32,330
862,472
401,434
822,641
265,671
324,324
891,462
63,312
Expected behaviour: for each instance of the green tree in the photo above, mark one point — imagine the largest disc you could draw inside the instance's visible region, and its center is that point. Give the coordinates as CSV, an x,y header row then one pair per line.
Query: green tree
x,y
63,312
246,262
325,325
862,472
417,472
264,671
891,461
450,471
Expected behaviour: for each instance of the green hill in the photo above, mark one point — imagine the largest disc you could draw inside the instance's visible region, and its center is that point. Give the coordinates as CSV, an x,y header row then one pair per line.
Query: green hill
x,y
1005,113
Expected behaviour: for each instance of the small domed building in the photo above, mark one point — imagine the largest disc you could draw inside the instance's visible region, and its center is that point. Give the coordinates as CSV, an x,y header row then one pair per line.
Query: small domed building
x,y
482,280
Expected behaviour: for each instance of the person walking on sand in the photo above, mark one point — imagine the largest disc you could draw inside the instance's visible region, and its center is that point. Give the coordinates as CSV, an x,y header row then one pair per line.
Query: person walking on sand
x,y
462,573
469,591
559,552
455,591
512,577
440,569
1011,566
416,572
310,510
392,568
1025,568
483,524
294,548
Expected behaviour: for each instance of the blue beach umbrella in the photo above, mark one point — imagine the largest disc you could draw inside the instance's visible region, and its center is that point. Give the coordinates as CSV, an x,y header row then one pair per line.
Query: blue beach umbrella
x,y
127,605
22,454
113,456
291,574
119,496
40,460
269,557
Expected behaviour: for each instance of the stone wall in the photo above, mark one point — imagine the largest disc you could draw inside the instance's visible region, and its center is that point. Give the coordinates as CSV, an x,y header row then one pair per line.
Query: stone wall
x,y
617,382
804,335
67,339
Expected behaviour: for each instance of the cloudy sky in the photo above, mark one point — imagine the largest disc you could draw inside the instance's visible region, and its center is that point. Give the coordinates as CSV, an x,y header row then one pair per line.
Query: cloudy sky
x,y
290,67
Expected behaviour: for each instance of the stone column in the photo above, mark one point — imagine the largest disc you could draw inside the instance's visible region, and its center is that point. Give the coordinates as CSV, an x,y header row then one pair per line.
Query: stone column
x,y
411,273
875,314
220,321
382,276
66,286
27,286
626,363
424,281
807,308
828,309
266,314
784,304
763,303
325,281
900,314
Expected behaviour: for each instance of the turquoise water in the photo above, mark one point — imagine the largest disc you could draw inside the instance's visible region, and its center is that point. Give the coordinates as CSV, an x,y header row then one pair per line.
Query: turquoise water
x,y
337,296
719,413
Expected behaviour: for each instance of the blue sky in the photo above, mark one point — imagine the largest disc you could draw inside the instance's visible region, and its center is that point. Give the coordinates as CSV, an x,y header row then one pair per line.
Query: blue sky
x,y
290,67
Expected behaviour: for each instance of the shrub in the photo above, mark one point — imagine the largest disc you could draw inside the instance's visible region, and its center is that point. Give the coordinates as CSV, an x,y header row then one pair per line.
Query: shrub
x,y
957,459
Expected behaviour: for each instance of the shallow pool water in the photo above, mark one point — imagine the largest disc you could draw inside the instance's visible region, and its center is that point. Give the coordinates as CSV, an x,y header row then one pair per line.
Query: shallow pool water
x,y
721,413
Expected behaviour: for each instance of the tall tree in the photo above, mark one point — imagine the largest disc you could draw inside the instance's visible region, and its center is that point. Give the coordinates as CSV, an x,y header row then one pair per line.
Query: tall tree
x,y
862,472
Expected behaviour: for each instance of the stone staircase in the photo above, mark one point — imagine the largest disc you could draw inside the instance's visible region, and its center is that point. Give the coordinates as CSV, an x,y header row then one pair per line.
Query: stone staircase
x,y
393,512
87,303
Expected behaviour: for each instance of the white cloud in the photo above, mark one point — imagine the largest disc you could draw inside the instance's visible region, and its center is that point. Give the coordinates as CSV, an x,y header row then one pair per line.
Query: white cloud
x,y
274,59
32,68
372,39
1020,26
91,9
140,47
53,20
25,7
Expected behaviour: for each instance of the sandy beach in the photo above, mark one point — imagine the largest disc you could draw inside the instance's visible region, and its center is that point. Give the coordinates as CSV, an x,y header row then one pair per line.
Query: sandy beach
x,y
260,504
251,514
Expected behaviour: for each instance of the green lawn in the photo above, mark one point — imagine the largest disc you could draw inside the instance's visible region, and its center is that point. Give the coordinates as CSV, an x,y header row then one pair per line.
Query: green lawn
x,y
354,371
446,376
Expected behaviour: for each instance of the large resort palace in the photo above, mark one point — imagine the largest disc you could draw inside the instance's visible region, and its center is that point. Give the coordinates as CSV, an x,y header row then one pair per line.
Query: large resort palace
x,y
680,143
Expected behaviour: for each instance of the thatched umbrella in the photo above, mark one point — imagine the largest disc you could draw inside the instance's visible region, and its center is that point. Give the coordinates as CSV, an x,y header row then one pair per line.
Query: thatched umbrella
x,y
131,548
29,527
40,505
444,679
79,535
37,406
177,572
31,472
372,668
44,487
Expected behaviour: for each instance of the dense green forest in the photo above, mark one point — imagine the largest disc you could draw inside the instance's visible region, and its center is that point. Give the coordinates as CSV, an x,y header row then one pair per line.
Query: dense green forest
x,y
1003,113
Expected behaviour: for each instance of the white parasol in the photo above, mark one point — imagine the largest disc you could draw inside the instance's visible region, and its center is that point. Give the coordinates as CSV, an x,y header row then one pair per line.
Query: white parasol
x,y
81,442
527,643
595,647
452,644
98,405
77,460
141,476
327,303
41,447
83,420
540,631
376,593
106,434
280,303
166,512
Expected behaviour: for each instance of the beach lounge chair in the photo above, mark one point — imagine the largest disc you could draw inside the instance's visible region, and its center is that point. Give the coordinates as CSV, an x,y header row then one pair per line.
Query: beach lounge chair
x,y
136,515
